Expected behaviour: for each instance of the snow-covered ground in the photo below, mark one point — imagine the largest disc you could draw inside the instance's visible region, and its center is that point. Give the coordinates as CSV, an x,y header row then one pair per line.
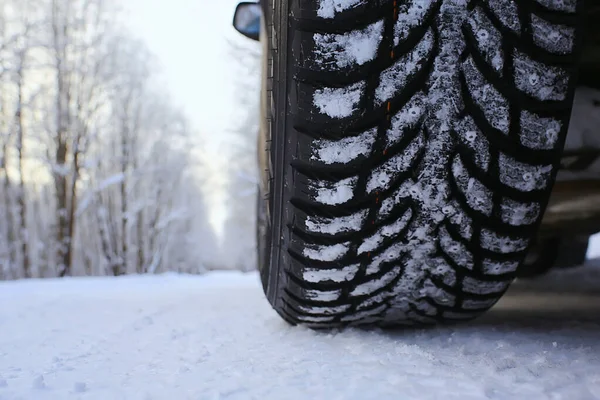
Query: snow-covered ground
x,y
215,337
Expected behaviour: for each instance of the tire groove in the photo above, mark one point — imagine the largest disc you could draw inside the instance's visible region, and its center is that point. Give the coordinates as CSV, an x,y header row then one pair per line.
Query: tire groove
x,y
528,46
345,209
514,96
505,143
475,272
494,221
476,248
348,76
369,230
494,183
352,168
355,126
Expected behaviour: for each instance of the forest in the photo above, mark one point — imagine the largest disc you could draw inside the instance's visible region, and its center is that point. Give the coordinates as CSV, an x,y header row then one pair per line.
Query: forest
x,y
97,168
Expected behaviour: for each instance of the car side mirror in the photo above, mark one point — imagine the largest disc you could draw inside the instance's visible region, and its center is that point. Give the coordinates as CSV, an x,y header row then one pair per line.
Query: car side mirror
x,y
246,19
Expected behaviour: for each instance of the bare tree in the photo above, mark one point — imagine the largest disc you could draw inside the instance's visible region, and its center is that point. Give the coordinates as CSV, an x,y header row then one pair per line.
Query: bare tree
x,y
20,130
80,34
6,254
16,27
240,231
95,163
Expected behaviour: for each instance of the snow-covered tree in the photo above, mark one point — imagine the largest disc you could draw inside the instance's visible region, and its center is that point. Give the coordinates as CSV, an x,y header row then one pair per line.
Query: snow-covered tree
x,y
97,174
239,238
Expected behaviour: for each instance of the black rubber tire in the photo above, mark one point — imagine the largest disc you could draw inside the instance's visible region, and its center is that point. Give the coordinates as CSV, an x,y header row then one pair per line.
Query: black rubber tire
x,y
405,183
261,228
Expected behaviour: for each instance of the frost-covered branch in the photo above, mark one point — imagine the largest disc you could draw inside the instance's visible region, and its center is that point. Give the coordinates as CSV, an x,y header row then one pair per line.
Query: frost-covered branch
x,y
94,158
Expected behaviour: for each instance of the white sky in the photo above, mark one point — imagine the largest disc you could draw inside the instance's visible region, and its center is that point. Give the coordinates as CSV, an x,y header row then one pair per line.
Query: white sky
x,y
189,38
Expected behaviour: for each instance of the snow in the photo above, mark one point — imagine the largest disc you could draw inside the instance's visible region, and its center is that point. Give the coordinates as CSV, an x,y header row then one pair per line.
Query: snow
x,y
494,106
478,196
394,78
348,49
335,225
338,102
407,117
335,275
374,241
455,249
496,242
489,39
506,11
555,38
538,80
566,5
339,193
381,176
523,176
344,150
516,213
328,8
215,337
374,284
326,252
410,16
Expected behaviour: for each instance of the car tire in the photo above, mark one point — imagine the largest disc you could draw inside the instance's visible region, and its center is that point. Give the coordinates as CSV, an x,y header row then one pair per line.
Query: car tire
x,y
411,151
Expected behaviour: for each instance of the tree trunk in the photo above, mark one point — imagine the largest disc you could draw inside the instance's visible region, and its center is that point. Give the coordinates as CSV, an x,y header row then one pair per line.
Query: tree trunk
x,y
63,230
22,200
124,162
9,222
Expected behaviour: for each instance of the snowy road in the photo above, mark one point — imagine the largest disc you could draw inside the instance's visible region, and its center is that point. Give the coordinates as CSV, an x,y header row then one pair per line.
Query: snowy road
x,y
214,337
